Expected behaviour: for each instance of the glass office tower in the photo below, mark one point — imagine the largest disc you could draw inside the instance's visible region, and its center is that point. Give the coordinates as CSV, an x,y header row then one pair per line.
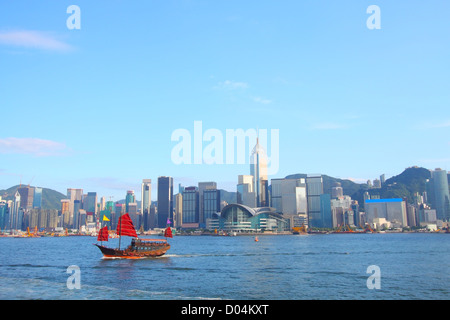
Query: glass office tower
x,y
165,200
441,194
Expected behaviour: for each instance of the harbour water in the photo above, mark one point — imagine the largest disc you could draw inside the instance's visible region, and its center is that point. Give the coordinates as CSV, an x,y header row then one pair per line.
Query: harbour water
x,y
288,267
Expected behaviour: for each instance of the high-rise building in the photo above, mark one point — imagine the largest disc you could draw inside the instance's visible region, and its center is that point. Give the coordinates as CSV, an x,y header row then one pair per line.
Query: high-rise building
x,y
211,203
165,201
178,210
37,198
392,210
130,198
146,195
4,215
382,179
14,215
202,186
441,194
90,205
326,217
190,207
314,188
258,169
342,212
337,191
26,197
245,192
72,195
77,206
289,198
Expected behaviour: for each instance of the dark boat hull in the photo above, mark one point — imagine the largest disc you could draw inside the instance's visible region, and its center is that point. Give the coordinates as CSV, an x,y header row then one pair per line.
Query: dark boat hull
x,y
128,253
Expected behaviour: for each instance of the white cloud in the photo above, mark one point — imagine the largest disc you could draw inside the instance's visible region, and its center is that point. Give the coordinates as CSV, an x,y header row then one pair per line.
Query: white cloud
x,y
231,85
32,146
328,126
33,39
444,124
262,100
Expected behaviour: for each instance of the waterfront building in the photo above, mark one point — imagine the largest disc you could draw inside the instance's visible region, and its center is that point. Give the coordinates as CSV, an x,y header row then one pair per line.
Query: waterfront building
x,y
4,215
314,188
42,219
393,210
342,212
240,218
411,215
190,208
165,200
356,214
289,198
326,216
82,219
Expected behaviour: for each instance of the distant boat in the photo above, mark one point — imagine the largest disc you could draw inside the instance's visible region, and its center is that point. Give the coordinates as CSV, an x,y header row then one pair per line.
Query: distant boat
x,y
256,239
139,248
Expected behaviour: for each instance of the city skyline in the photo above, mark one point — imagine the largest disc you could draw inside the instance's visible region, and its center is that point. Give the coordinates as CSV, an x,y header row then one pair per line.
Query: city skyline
x,y
95,108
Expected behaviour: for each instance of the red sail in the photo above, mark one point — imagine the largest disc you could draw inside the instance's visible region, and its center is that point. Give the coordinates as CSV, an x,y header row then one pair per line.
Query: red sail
x,y
103,234
125,226
168,233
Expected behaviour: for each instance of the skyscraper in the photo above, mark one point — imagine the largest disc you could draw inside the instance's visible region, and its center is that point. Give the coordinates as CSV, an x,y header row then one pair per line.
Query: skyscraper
x,y
90,205
72,195
130,198
314,188
245,192
211,203
26,197
37,198
202,186
441,194
258,169
165,200
146,195
190,207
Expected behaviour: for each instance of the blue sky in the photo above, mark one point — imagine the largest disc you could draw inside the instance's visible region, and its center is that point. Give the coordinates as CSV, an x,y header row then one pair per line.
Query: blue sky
x,y
95,108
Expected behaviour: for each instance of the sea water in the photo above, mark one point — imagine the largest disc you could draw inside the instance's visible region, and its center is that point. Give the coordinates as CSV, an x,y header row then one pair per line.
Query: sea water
x,y
277,267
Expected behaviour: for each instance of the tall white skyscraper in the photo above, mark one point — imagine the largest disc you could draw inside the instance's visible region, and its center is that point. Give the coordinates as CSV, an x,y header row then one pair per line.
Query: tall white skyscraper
x,y
146,195
258,169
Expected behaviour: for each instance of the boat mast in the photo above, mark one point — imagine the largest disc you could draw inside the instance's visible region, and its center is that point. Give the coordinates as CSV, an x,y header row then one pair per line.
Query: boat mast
x,y
120,228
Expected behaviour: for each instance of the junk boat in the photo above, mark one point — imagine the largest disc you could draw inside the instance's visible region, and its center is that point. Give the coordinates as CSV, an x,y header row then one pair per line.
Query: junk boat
x,y
139,248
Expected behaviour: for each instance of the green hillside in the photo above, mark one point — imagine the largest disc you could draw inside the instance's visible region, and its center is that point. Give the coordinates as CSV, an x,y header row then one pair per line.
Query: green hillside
x,y
51,199
404,185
